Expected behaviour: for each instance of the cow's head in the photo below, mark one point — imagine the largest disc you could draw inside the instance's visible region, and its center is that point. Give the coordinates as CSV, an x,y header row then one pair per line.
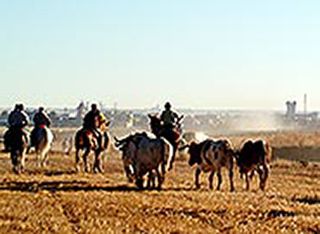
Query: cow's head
x,y
194,153
128,149
243,164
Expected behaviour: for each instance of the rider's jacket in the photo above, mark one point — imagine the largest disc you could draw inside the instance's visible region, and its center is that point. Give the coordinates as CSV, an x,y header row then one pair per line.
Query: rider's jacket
x,y
41,118
90,119
18,119
169,117
101,118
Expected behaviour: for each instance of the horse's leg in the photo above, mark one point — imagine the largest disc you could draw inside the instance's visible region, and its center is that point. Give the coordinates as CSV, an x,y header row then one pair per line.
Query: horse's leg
x,y
39,159
85,160
77,160
41,154
44,158
14,161
23,158
19,155
45,152
97,167
19,162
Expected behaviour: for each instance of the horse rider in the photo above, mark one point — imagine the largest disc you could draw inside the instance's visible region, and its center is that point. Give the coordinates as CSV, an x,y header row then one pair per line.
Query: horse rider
x,y
40,120
18,119
92,122
169,118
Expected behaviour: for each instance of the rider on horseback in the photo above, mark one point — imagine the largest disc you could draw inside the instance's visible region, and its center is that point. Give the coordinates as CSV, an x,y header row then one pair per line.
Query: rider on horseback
x,y
17,120
40,120
169,118
92,122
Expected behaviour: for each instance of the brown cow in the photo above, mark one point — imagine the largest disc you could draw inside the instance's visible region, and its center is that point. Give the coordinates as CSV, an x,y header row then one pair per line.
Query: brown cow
x,y
211,156
254,156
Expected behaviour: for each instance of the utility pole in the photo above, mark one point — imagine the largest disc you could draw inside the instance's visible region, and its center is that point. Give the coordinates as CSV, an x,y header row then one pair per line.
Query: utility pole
x,y
305,106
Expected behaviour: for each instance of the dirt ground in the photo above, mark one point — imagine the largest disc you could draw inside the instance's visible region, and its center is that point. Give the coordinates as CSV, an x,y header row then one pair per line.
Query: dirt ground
x,y
57,200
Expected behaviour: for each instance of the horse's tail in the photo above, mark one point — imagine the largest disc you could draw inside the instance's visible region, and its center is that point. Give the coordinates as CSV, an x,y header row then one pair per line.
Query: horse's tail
x,y
82,139
43,140
106,140
167,153
78,141
49,135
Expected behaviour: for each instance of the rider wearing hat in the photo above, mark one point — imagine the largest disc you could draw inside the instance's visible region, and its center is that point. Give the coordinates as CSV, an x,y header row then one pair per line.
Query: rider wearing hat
x,y
40,120
18,119
92,122
168,117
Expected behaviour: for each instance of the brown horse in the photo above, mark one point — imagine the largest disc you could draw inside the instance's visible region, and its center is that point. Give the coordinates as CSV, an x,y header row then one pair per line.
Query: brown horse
x,y
87,141
173,135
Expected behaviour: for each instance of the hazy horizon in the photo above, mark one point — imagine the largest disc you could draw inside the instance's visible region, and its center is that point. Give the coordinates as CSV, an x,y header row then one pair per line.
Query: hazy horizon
x,y
205,54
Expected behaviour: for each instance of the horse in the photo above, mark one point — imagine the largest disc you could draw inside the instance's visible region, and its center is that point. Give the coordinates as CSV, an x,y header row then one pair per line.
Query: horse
x,y
86,141
19,143
42,138
172,135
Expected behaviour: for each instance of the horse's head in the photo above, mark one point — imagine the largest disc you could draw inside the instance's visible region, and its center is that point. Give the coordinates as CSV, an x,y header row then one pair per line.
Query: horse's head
x,y
155,123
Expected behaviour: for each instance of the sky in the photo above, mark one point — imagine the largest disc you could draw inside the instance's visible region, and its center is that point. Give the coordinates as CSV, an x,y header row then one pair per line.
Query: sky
x,y
197,54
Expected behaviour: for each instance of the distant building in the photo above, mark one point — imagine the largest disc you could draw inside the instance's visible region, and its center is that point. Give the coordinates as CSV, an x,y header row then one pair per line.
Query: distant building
x,y
291,109
81,110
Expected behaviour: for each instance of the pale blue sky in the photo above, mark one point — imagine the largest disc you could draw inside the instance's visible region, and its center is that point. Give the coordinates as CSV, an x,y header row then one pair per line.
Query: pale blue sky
x,y
198,54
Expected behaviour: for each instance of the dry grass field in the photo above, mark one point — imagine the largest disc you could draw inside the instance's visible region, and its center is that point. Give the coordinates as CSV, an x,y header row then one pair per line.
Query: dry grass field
x,y
57,200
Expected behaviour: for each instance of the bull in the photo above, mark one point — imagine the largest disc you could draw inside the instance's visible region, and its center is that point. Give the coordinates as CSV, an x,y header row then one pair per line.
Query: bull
x,y
211,156
254,156
142,154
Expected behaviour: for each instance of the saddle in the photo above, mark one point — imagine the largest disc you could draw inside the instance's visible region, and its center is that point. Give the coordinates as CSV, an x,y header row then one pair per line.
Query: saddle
x,y
92,137
37,134
172,134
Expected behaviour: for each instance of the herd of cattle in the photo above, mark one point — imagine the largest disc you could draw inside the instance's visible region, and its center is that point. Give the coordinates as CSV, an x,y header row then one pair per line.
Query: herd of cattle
x,y
145,155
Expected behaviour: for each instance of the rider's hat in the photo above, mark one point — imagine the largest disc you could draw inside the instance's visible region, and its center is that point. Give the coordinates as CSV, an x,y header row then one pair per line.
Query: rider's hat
x,y
167,105
94,106
20,107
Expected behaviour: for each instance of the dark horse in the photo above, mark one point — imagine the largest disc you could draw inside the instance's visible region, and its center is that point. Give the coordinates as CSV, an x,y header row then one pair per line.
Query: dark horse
x,y
173,135
18,145
86,141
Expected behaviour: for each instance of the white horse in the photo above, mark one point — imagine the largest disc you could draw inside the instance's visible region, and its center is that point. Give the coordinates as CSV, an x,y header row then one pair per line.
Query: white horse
x,y
42,143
